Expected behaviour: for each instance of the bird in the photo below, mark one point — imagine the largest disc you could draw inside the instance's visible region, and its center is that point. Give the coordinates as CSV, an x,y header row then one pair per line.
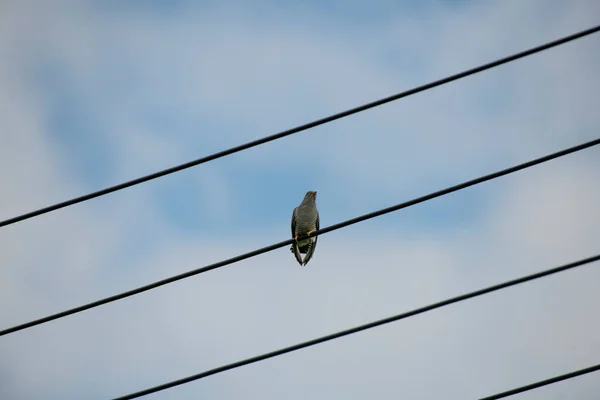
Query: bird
x,y
305,220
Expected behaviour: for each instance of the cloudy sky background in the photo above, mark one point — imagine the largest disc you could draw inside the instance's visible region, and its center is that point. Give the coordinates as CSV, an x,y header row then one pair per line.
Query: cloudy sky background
x,y
95,93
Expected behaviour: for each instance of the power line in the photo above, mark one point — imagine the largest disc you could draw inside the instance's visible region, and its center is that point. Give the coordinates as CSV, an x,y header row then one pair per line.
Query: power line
x,y
543,383
360,328
275,246
300,128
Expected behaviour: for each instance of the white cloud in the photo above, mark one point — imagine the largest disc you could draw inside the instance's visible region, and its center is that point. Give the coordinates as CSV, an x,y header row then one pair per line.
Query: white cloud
x,y
268,302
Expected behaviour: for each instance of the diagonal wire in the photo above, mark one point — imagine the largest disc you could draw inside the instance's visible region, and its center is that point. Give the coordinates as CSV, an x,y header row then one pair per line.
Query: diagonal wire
x,y
275,246
360,328
543,383
300,128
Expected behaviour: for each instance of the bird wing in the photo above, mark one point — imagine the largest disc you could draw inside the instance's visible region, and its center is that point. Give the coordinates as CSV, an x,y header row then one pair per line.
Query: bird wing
x,y
312,245
294,247
294,222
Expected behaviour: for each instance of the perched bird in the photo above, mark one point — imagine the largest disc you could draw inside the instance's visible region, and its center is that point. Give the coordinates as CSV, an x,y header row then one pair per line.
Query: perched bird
x,y
305,220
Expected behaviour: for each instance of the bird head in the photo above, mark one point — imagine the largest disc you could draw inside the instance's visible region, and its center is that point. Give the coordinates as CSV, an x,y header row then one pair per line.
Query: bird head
x,y
311,194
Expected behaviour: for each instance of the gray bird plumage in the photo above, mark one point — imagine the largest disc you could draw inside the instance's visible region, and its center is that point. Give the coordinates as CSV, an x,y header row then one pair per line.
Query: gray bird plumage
x,y
305,220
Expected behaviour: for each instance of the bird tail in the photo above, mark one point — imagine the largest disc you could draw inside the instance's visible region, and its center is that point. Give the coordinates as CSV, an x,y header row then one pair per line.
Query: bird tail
x,y
296,252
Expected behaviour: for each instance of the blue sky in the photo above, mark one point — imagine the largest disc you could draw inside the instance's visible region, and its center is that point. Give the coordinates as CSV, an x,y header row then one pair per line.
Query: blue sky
x,y
96,93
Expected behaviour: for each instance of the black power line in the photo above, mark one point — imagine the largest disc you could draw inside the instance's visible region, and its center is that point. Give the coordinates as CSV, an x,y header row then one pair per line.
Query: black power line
x,y
543,383
360,328
275,246
300,128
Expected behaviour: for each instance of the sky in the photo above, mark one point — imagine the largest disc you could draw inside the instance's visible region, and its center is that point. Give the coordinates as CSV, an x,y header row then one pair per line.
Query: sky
x,y
94,93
